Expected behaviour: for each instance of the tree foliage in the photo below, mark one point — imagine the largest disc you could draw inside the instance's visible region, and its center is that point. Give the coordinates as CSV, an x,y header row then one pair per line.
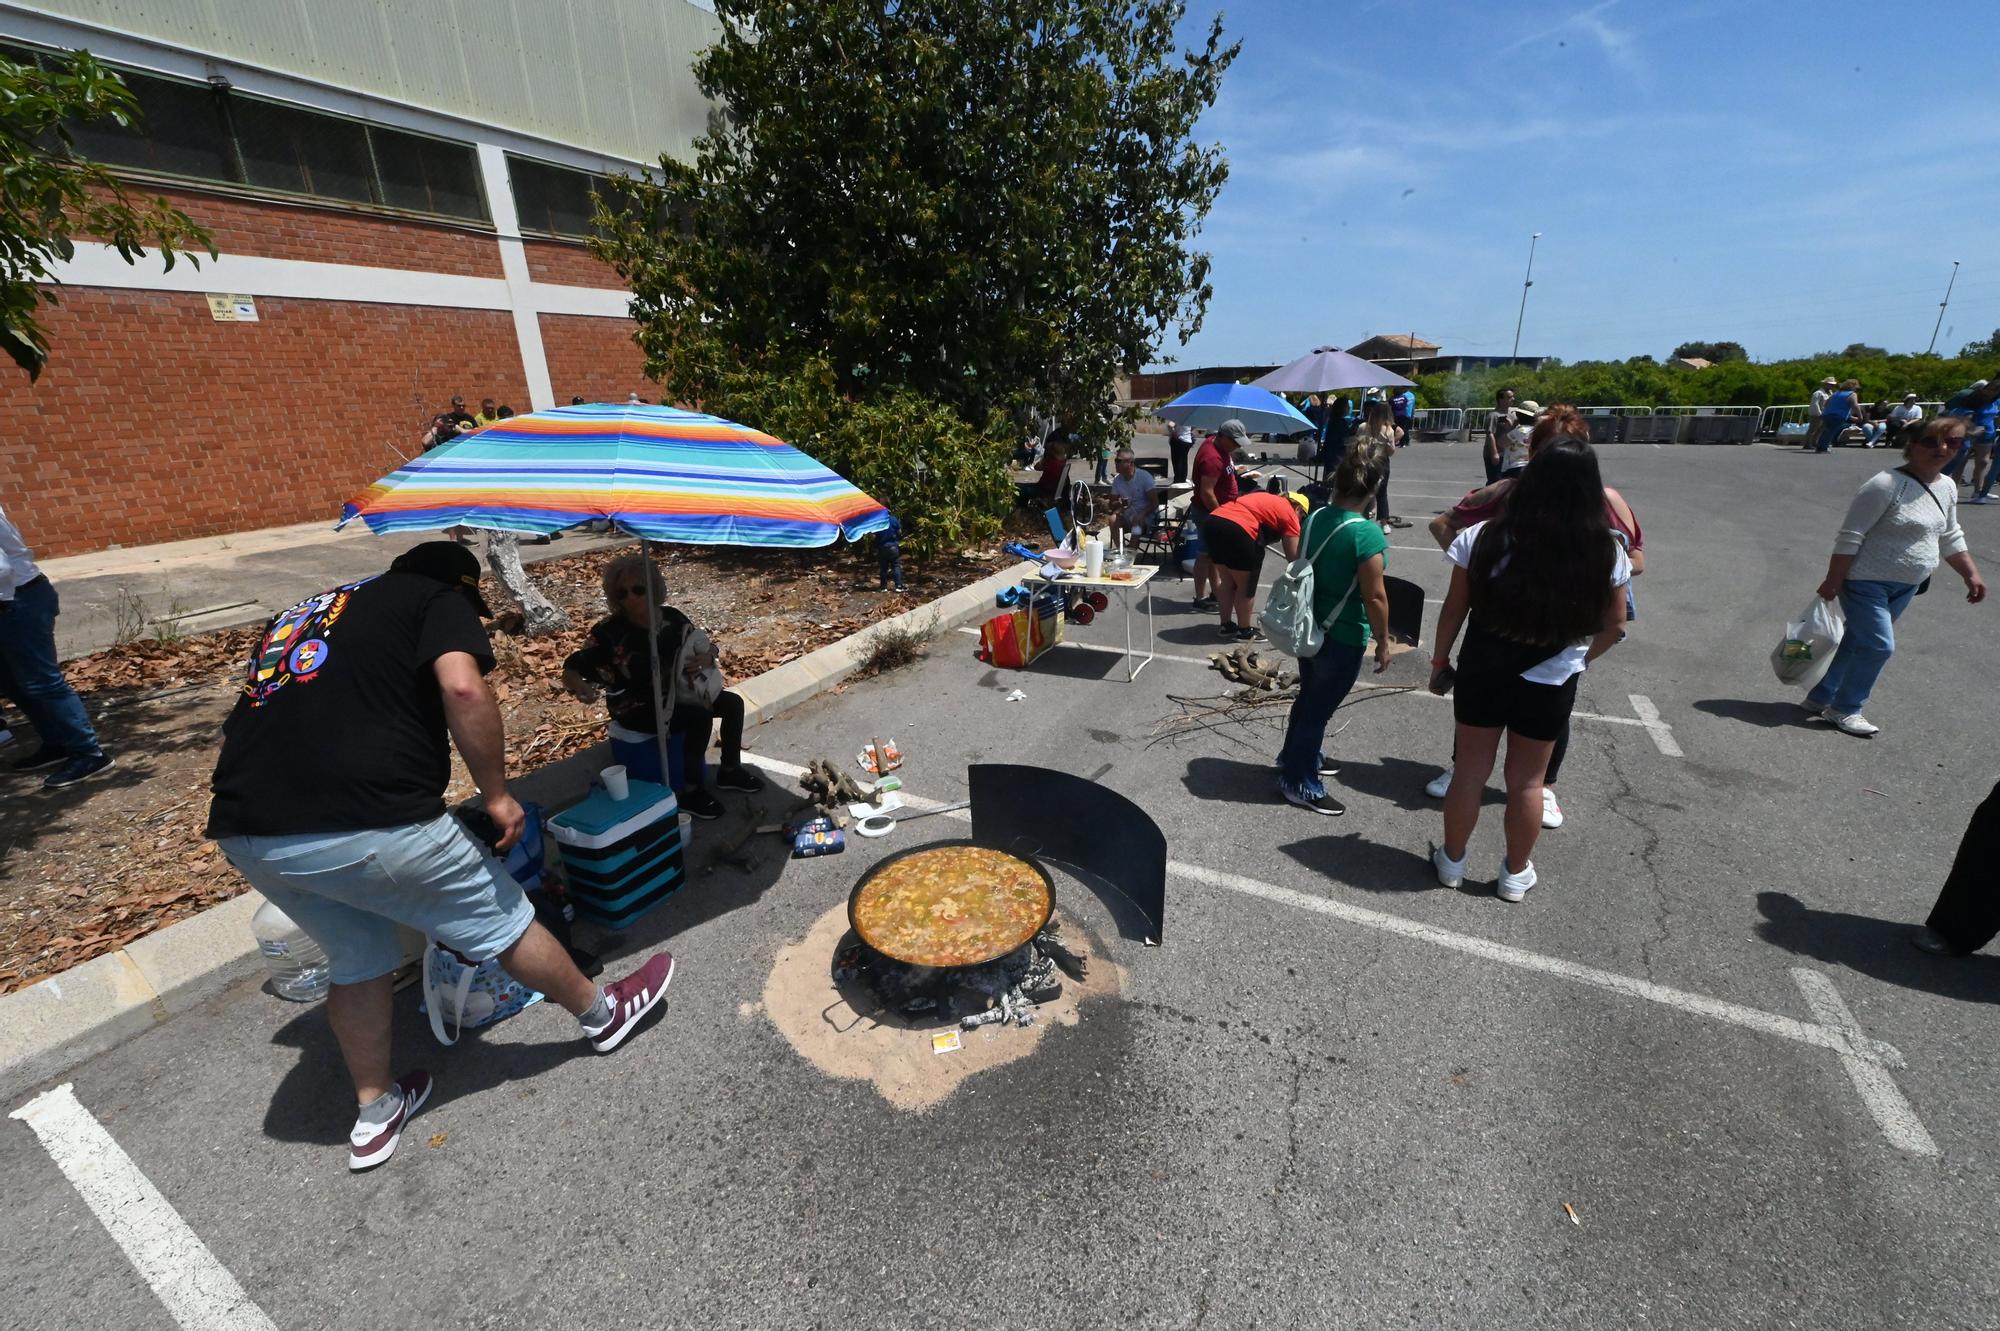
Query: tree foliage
x,y
49,193
1641,383
1986,347
984,204
1715,352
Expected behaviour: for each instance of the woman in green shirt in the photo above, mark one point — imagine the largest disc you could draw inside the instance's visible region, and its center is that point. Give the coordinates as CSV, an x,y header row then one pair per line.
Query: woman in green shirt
x,y
1348,554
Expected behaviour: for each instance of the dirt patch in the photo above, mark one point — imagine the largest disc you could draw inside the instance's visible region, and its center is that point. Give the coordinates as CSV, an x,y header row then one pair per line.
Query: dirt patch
x,y
87,870
844,1031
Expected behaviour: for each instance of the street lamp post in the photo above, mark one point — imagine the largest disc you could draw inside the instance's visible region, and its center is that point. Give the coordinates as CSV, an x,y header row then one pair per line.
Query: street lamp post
x,y
1526,282
1941,308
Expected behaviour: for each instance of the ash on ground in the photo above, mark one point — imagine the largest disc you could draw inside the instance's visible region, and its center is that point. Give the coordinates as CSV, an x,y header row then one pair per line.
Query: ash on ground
x,y
1005,991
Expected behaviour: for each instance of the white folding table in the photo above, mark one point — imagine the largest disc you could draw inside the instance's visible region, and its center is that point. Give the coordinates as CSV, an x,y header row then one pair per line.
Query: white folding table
x,y
1134,580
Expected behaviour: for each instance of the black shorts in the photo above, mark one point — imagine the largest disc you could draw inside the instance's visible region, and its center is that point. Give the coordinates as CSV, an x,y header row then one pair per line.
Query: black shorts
x,y
1495,699
1232,547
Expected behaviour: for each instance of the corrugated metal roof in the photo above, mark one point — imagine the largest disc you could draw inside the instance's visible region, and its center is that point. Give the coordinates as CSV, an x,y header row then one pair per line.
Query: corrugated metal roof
x,y
605,76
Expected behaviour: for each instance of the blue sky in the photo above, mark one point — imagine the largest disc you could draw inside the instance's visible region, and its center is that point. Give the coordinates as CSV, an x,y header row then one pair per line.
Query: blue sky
x,y
1697,170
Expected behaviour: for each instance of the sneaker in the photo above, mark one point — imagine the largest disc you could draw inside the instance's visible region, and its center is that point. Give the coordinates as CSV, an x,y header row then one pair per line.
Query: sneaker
x,y
1203,603
701,804
1552,812
1328,767
1977,499
1931,941
1514,886
370,1144
36,761
631,999
1850,723
739,778
1450,872
1812,708
1227,632
1399,522
1249,633
1439,784
1320,803
79,769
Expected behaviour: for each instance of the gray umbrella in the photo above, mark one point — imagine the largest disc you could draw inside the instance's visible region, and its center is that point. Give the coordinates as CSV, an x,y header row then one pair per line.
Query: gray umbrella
x,y
1326,370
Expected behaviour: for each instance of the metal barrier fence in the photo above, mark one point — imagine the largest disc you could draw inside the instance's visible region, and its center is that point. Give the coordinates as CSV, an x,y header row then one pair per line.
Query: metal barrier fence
x,y
1772,422
1616,425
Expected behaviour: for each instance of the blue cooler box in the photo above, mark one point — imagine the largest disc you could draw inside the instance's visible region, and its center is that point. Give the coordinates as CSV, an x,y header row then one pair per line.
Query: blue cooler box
x,y
622,857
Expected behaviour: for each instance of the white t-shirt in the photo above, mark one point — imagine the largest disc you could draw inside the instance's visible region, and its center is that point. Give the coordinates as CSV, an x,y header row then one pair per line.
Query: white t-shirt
x,y
1909,411
1569,661
1134,493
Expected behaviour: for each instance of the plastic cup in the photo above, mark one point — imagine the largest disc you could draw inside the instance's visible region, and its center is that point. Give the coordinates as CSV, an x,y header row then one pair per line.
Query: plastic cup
x,y
615,784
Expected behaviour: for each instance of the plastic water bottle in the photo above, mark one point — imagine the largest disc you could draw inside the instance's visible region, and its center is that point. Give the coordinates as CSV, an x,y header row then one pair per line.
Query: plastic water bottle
x,y
295,963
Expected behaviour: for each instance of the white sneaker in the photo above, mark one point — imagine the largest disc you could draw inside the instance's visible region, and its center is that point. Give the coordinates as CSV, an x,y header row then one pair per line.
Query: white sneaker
x,y
1552,812
1850,723
1514,886
1439,784
1450,872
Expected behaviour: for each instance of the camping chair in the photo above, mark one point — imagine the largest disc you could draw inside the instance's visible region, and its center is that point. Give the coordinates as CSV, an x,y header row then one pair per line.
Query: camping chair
x,y
1158,542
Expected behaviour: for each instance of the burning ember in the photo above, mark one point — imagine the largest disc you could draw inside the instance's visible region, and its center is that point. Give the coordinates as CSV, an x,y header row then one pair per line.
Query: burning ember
x,y
958,931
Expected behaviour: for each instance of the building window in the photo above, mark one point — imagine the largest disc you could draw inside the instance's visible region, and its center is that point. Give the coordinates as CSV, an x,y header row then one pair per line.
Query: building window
x,y
192,131
555,200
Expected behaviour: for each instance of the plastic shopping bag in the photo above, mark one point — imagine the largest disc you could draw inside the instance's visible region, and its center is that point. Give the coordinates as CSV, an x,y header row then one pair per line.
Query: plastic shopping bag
x,y
1803,654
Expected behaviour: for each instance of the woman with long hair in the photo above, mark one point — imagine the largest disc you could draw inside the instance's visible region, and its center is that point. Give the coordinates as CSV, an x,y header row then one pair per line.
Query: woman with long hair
x,y
1377,437
1900,525
1543,584
1349,600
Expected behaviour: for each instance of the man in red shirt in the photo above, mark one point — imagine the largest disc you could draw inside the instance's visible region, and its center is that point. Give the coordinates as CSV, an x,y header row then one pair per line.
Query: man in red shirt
x,y
1214,485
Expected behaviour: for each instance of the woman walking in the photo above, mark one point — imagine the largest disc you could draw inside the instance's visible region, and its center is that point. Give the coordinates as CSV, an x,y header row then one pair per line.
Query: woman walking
x,y
1901,525
1966,916
1377,438
1234,536
1544,586
1348,555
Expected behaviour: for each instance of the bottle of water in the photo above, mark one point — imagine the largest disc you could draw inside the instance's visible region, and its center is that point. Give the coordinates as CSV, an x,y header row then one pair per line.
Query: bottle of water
x,y
296,965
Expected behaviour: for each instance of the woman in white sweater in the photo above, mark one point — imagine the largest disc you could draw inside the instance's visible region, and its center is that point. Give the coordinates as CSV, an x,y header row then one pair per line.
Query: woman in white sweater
x,y
1901,524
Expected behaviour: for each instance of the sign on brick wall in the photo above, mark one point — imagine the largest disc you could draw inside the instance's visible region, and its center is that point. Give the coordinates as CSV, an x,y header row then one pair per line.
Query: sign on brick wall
x,y
232,309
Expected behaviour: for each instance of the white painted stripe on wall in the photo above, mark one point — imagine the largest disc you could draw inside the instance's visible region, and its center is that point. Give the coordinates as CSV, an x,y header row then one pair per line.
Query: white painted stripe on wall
x,y
514,265
304,279
196,1289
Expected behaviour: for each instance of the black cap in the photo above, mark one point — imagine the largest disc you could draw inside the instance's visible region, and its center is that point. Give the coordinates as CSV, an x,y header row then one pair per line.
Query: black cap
x,y
448,562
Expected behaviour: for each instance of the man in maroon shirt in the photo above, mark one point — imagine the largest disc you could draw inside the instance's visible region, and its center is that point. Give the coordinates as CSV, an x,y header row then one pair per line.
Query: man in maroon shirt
x,y
1214,485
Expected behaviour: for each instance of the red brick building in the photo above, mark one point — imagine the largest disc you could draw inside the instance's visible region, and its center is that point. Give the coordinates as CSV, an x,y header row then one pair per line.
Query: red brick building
x,y
377,256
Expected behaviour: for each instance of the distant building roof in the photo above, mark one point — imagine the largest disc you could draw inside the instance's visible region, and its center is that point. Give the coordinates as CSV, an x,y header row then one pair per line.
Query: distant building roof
x,y
1391,342
1691,362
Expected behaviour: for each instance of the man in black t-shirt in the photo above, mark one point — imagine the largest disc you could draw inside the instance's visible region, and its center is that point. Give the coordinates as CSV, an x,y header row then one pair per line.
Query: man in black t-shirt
x,y
329,799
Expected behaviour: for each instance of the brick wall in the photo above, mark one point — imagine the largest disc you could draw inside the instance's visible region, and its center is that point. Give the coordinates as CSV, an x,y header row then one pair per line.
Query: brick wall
x,y
595,359
153,422
568,265
334,235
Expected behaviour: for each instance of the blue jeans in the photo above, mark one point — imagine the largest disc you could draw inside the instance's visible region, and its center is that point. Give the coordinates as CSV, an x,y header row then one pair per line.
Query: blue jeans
x,y
1872,609
1830,428
1323,683
31,676
1957,463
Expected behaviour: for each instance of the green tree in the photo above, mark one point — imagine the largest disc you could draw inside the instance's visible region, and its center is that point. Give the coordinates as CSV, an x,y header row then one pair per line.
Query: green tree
x,y
1862,351
48,193
989,204
1986,347
1718,352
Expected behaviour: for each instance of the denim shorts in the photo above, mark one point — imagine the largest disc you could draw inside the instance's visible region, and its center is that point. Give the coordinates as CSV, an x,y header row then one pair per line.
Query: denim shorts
x,y
349,891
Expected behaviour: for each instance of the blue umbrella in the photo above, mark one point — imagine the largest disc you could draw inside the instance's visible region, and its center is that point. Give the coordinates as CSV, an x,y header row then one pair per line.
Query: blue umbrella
x,y
1207,407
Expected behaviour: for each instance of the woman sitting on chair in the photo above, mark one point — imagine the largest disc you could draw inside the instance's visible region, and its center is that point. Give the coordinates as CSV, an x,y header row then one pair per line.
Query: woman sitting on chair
x,y
616,659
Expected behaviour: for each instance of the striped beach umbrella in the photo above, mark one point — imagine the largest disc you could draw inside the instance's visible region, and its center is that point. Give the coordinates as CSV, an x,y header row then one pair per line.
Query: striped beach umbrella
x,y
658,472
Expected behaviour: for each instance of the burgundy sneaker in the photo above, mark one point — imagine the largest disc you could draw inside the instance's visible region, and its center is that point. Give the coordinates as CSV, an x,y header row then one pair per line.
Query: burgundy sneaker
x,y
631,999
369,1146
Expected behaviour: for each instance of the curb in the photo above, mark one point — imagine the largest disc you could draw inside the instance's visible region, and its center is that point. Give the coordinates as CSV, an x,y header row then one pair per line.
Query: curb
x,y
61,1020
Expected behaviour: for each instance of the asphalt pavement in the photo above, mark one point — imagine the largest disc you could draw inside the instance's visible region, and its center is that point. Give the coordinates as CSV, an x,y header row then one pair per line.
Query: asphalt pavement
x,y
1698,1079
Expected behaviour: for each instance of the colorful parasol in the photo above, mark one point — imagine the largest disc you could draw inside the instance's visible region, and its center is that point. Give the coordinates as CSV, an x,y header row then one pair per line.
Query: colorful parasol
x,y
659,472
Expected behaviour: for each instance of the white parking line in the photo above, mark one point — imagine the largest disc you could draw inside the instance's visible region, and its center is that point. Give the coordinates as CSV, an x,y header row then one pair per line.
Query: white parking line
x,y
1899,1122
1662,733
197,1290
1835,1029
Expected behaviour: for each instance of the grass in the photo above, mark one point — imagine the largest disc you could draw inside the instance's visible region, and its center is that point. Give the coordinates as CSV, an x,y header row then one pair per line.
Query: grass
x,y
893,646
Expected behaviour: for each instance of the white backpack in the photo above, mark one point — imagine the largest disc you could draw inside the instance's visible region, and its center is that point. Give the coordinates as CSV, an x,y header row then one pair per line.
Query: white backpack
x,y
1288,619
